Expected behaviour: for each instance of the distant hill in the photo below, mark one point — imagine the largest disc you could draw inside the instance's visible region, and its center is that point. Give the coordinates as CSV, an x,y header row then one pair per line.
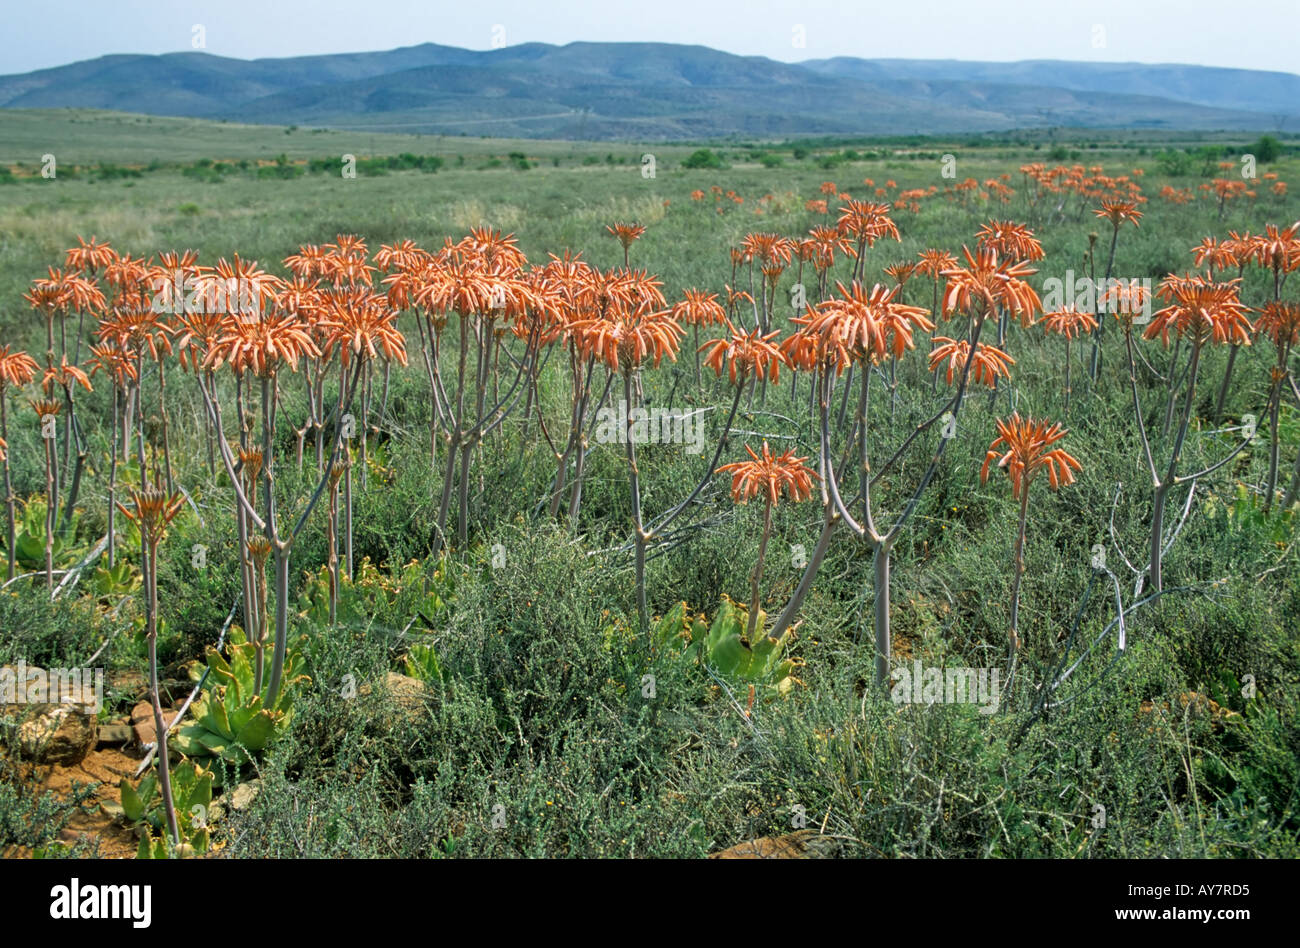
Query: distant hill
x,y
660,91
1251,90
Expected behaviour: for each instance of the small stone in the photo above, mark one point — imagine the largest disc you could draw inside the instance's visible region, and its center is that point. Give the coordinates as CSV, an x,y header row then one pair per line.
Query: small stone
x,y
119,732
803,844
58,734
244,794
410,695
60,727
142,723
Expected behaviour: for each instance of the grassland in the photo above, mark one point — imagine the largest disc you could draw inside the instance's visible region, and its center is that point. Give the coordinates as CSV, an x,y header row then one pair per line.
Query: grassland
x,y
542,714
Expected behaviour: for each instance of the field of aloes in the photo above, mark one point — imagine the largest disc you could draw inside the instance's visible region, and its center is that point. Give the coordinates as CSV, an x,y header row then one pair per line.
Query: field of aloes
x,y
894,506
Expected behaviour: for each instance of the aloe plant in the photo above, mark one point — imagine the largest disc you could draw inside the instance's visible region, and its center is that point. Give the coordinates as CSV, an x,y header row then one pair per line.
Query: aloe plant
x,y
32,537
120,579
394,596
422,663
191,787
723,646
231,719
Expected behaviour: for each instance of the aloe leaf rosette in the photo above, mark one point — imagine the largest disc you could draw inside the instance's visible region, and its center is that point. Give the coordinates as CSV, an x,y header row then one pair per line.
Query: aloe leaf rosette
x,y
229,719
143,807
723,647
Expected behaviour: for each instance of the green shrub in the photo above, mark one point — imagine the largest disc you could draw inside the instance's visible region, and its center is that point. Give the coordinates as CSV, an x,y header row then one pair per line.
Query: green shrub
x,y
703,158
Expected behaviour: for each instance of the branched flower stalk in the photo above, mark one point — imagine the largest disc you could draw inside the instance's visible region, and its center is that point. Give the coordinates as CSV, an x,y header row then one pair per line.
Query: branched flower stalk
x,y
47,412
772,476
627,334
1068,322
1205,312
16,369
261,345
1117,212
153,510
1023,449
863,328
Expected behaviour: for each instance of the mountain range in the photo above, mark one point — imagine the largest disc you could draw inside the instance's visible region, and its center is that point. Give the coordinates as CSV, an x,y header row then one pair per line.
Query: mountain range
x,y
661,91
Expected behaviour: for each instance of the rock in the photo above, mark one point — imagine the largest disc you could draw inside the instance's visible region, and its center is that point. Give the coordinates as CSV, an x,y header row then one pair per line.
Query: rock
x,y
58,734
242,796
142,723
118,732
410,695
803,844
51,719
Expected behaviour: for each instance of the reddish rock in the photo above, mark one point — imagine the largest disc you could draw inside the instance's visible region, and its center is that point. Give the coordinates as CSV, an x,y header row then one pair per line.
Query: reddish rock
x,y
142,723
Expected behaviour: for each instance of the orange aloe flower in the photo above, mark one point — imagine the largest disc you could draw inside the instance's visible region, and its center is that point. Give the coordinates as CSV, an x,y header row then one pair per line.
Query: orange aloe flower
x,y
698,308
402,285
16,368
361,324
1011,240
241,287
136,328
801,350
1202,309
113,361
543,317
455,285
134,279
627,234
1117,212
1276,248
1280,321
626,338
1069,322
348,245
748,355
866,222
299,297
770,474
1028,450
89,256
1210,252
168,279
993,282
989,362
902,271
45,406
1124,299
261,346
767,248
402,255
821,245
863,324
63,291
308,262
152,511
737,296
65,375
348,269
935,261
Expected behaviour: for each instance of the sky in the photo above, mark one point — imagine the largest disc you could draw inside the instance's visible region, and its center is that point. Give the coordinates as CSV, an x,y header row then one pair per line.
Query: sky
x,y
1259,34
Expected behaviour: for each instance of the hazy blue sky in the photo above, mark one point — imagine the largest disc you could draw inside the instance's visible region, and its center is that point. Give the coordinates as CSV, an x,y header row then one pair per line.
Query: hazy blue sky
x,y
1257,34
